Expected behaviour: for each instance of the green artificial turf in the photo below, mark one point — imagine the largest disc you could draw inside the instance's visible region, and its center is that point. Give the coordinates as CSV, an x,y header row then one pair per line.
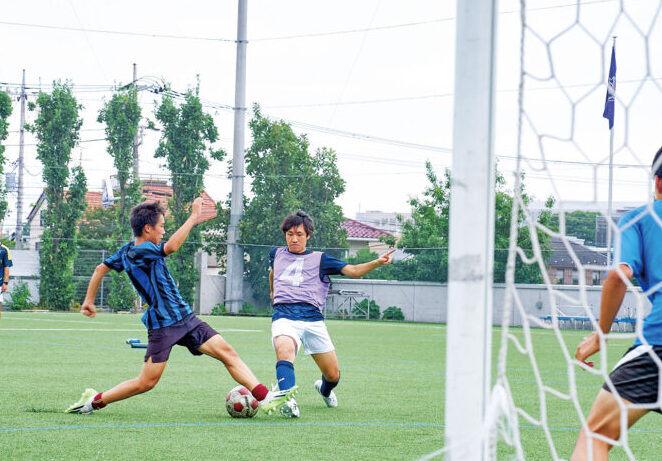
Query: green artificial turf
x,y
391,394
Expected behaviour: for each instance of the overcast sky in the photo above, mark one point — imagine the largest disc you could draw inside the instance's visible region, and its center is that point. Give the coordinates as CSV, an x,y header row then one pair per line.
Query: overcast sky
x,y
372,80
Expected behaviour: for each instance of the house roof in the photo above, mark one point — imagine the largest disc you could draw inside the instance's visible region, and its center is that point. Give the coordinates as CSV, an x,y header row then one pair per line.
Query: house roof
x,y
358,230
160,193
561,256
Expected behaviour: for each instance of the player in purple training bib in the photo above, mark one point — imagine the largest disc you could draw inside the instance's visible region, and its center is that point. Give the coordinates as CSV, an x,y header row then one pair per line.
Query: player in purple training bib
x,y
299,280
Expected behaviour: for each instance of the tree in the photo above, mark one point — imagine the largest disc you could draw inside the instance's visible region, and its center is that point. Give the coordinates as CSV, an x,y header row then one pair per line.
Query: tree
x,y
580,224
121,114
286,177
425,236
187,134
5,112
57,127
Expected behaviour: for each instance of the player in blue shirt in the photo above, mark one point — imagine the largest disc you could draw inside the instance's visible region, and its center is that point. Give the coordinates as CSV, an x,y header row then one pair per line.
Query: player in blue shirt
x,y
635,378
5,264
299,280
169,319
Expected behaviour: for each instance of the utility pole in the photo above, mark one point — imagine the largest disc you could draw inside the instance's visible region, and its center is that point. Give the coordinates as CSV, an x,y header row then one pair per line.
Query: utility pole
x,y
136,141
19,205
234,282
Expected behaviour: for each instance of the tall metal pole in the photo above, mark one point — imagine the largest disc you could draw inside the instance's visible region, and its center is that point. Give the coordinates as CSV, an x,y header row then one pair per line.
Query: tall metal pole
x,y
234,283
19,199
611,183
471,234
136,143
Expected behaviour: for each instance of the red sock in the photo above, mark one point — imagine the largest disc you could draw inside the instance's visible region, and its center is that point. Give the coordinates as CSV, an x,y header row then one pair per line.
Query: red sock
x,y
97,402
260,392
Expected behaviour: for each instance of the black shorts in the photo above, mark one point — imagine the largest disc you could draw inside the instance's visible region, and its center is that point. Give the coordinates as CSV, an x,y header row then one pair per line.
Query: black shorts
x,y
636,376
190,332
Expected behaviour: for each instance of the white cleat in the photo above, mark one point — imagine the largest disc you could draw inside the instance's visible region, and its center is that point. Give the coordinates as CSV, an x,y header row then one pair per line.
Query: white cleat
x,y
84,404
275,399
290,409
331,401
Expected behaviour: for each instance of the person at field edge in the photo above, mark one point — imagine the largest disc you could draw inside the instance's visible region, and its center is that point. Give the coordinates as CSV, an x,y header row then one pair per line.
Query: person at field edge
x,y
169,319
299,281
5,264
635,377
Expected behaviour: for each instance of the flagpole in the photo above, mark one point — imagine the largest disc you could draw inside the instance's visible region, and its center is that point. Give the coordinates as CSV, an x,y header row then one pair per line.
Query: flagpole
x,y
611,179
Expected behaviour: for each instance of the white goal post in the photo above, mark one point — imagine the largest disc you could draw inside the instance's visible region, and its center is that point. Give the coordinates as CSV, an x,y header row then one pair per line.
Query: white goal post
x,y
471,233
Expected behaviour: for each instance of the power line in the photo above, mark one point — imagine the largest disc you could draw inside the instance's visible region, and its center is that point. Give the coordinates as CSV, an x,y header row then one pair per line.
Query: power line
x,y
117,32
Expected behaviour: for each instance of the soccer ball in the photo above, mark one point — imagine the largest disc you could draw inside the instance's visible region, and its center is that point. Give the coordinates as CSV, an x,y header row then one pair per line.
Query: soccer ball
x,y
240,403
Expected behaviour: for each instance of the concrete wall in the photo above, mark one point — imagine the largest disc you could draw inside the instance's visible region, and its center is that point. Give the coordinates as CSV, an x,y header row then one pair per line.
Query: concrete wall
x,y
427,301
25,268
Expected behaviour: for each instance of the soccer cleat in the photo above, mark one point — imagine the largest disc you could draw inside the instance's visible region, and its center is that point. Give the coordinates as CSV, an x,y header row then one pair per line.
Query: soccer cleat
x,y
331,401
290,409
84,404
275,399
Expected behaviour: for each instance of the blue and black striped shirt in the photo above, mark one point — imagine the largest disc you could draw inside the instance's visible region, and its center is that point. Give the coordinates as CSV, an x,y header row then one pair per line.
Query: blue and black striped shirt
x,y
145,265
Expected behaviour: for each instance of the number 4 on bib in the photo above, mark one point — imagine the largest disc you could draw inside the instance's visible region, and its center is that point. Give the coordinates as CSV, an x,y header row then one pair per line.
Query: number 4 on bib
x,y
292,273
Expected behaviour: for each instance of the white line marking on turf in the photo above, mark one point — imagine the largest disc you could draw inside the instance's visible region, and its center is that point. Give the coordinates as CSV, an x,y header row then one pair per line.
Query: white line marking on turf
x,y
11,317
228,423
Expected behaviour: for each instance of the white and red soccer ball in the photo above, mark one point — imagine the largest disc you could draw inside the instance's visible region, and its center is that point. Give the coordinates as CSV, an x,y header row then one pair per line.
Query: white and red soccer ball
x,y
240,403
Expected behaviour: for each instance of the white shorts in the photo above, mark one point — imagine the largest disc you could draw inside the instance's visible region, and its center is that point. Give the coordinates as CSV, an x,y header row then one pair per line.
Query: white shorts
x,y
313,335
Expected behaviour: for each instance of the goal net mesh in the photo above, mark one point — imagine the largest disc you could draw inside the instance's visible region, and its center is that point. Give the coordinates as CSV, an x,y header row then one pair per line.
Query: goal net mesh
x,y
542,395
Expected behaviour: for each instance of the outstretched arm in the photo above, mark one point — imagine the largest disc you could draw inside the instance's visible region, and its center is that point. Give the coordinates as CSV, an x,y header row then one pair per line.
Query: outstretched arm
x,y
88,307
360,270
180,235
613,292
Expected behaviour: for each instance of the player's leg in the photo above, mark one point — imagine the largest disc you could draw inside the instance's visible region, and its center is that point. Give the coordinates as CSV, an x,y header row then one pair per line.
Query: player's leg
x,y
91,400
317,343
286,339
220,349
148,378
604,419
328,365
203,339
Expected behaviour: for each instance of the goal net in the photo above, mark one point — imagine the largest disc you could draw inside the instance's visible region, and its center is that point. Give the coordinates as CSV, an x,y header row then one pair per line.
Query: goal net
x,y
571,54
572,177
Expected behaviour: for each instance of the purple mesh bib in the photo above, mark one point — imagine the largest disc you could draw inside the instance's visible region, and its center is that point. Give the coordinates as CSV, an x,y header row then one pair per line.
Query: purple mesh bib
x,y
297,278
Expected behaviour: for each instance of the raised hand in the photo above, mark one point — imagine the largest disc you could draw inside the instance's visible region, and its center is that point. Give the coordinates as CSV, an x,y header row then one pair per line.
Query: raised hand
x,y
386,258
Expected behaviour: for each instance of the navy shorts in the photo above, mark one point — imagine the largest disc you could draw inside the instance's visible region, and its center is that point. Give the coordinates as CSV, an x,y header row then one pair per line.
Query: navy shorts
x,y
190,332
636,375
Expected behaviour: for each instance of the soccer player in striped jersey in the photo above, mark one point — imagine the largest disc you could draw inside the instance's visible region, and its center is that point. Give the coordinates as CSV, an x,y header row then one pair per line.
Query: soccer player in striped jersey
x,y
299,280
169,319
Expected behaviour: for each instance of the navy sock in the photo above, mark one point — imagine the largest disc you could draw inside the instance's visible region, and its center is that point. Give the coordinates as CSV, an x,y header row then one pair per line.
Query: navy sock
x,y
327,386
285,375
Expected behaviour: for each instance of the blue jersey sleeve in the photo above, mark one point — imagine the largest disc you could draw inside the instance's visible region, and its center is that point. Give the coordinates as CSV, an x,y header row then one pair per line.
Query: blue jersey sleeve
x,y
272,257
631,247
114,262
6,258
330,265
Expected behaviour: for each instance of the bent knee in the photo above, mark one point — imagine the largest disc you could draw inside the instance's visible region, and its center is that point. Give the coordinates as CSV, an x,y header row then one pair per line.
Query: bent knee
x,y
333,375
610,428
147,384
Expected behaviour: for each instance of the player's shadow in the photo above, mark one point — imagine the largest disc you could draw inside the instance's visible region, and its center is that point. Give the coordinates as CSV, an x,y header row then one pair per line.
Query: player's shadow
x,y
43,410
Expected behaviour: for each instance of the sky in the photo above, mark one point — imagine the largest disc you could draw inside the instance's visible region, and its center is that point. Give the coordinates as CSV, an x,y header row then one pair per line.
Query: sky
x,y
372,80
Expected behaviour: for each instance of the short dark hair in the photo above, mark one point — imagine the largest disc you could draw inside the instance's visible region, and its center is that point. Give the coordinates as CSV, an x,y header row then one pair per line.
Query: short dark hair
x,y
295,220
657,164
143,214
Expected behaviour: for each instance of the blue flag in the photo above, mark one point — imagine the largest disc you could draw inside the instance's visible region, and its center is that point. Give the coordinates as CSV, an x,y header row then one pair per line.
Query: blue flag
x,y
611,90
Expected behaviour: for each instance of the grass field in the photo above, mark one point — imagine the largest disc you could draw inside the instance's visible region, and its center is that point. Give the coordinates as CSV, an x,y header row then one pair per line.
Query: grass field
x,y
391,394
